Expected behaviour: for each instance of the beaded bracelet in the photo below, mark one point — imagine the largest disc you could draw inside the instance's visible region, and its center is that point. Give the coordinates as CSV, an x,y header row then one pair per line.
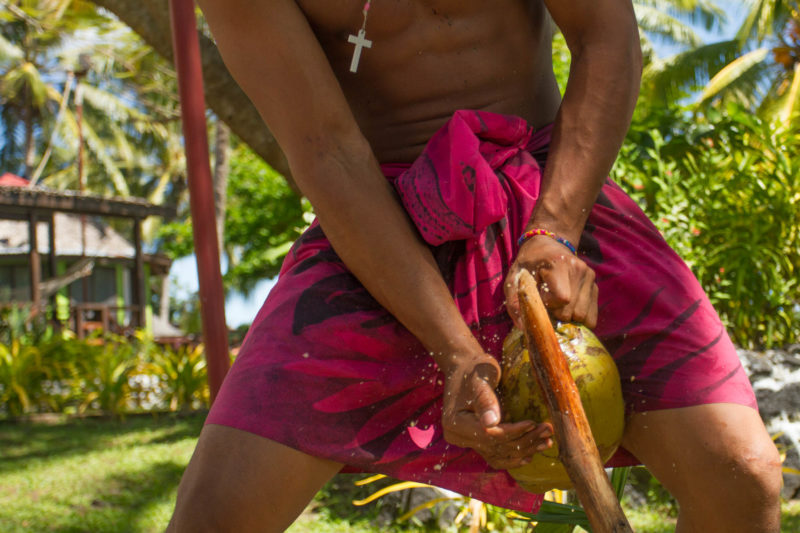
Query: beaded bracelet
x,y
538,231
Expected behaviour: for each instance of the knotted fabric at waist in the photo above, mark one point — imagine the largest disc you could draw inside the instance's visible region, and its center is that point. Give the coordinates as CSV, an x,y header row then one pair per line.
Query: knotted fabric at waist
x,y
454,190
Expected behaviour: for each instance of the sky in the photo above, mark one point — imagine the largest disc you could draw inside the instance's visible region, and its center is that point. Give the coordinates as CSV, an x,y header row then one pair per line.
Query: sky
x,y
240,309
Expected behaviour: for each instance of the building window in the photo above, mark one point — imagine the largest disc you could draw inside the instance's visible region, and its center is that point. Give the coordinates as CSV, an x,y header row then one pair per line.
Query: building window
x,y
15,283
101,287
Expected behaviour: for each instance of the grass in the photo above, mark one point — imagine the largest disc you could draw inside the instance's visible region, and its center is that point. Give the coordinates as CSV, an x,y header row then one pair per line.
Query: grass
x,y
93,475
121,476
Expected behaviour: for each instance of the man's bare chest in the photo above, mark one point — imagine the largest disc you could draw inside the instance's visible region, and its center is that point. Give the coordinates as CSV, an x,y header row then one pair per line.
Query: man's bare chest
x,y
339,18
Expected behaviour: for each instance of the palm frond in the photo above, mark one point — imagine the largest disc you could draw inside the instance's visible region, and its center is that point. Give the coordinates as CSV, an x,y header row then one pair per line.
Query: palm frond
x,y
117,110
619,477
670,78
698,12
654,21
58,7
62,99
735,71
403,485
97,148
61,179
114,107
9,51
764,19
25,79
790,106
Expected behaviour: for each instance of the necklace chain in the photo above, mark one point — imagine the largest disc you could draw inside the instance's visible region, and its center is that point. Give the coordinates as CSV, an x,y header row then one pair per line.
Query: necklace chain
x,y
365,12
360,41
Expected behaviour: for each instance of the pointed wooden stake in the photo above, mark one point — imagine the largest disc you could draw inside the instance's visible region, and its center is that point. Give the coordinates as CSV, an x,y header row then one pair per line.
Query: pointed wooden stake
x,y
576,447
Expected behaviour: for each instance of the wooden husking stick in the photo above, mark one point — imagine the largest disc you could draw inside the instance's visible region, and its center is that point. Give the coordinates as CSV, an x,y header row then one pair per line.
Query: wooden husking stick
x,y
577,450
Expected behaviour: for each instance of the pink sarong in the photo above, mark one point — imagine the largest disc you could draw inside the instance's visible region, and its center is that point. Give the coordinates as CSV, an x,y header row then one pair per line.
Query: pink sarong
x,y
326,370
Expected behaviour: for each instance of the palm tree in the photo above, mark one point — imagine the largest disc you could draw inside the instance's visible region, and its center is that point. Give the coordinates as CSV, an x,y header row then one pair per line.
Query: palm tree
x,y
128,120
666,22
759,68
672,22
33,70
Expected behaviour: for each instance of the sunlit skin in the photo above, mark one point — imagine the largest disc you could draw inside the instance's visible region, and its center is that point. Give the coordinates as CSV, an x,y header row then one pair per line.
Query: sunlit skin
x,y
428,59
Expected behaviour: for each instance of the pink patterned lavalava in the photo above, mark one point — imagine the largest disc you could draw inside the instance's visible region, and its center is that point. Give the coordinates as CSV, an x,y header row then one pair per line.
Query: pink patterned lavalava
x,y
326,370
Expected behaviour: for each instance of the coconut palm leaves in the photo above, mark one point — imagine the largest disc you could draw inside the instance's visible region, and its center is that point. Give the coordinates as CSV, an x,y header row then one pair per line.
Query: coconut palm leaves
x,y
55,55
667,22
758,68
554,515
672,21
32,32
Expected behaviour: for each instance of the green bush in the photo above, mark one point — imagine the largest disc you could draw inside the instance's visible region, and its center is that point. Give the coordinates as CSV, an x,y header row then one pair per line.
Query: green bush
x,y
46,370
105,375
181,375
26,374
725,192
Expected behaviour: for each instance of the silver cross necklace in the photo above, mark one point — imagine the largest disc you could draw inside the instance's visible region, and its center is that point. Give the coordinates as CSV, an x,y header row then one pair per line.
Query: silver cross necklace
x,y
360,40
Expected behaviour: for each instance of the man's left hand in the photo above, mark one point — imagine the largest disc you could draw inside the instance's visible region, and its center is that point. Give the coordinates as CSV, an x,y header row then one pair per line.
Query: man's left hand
x,y
565,282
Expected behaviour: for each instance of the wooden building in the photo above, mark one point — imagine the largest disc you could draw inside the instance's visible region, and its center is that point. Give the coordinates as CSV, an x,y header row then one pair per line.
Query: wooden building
x,y
60,251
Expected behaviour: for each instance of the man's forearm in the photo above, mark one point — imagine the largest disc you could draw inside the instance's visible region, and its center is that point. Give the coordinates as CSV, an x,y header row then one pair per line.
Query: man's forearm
x,y
590,126
376,239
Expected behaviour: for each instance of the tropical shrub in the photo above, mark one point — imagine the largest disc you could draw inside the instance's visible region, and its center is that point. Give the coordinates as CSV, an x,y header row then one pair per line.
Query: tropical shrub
x,y
181,375
263,218
21,376
105,375
725,192
48,370
25,371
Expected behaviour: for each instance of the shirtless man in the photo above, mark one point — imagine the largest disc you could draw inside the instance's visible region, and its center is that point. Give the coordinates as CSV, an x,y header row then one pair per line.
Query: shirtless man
x,y
428,59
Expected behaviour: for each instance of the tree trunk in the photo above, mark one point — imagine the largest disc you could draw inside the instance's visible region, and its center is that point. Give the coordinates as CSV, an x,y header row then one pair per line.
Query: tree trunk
x,y
222,145
163,304
151,20
30,146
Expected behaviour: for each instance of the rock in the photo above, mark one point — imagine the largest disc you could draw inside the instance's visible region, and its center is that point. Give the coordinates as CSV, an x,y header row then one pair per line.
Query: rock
x,y
775,376
443,514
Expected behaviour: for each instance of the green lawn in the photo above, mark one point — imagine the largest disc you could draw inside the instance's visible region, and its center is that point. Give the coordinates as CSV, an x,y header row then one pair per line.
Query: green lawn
x,y
92,475
121,476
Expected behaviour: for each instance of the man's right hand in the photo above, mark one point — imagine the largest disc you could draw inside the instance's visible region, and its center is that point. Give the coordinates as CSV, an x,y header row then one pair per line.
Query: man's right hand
x,y
471,416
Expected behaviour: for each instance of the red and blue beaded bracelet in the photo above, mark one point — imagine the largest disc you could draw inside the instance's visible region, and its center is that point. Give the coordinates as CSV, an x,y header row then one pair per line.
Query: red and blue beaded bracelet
x,y
538,231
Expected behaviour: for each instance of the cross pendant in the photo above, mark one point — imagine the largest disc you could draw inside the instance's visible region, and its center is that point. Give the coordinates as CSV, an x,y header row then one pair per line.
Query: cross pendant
x,y
360,42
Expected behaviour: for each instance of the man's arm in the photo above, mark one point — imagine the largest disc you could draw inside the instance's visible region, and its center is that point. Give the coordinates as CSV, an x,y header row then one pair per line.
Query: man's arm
x,y
590,126
274,55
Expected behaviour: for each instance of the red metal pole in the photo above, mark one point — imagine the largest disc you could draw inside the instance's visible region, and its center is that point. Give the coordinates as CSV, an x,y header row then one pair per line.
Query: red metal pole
x,y
201,190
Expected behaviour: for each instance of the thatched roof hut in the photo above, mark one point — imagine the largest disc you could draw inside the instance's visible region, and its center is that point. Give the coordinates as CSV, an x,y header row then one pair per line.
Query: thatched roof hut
x,y
91,273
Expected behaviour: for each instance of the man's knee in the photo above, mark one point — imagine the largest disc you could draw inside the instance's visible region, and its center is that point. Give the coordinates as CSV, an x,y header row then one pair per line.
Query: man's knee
x,y
759,465
744,460
715,458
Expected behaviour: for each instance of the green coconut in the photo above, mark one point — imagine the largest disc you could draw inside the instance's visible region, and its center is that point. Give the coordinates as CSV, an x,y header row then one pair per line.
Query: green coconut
x,y
597,378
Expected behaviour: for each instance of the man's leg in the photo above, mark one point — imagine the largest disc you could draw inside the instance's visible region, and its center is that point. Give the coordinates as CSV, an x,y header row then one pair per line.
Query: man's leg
x,y
237,481
717,460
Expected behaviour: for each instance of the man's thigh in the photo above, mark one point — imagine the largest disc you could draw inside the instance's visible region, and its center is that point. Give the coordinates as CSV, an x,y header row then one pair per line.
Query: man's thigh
x,y
718,461
237,481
